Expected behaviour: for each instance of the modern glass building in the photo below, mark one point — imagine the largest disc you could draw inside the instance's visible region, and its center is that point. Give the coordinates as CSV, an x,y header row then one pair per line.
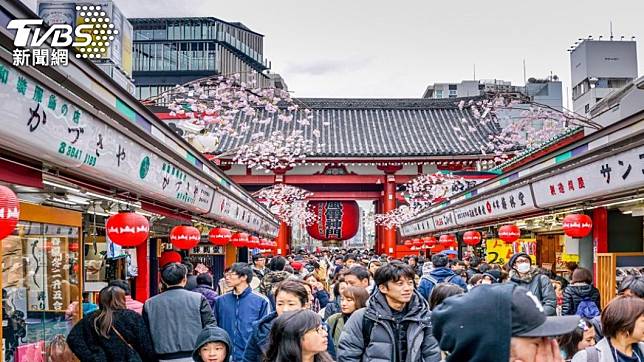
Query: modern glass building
x,y
171,51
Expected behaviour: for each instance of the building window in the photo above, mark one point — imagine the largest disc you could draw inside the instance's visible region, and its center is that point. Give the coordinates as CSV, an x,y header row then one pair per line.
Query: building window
x,y
452,93
453,87
439,93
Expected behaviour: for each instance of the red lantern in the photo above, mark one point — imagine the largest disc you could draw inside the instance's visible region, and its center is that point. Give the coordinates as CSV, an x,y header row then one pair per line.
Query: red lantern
x,y
240,240
168,257
472,237
253,242
73,247
509,233
408,243
447,239
219,236
185,237
437,248
334,220
127,229
430,241
577,225
9,211
417,243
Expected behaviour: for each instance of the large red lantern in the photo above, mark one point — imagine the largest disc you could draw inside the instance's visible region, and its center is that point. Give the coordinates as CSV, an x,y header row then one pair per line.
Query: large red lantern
x,y
127,229
509,233
240,240
334,220
448,240
437,248
9,211
219,236
577,225
408,243
430,241
185,237
168,257
417,243
471,237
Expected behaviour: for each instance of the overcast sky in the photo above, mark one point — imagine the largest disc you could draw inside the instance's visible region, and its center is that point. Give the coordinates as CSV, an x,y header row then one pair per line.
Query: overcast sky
x,y
358,48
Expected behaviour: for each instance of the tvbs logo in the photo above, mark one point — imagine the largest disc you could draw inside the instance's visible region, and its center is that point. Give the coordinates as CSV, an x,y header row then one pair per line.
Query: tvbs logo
x,y
91,36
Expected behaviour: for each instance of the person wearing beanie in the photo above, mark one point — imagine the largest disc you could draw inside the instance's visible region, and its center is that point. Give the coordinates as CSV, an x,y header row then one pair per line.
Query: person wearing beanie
x,y
491,276
524,274
515,328
213,345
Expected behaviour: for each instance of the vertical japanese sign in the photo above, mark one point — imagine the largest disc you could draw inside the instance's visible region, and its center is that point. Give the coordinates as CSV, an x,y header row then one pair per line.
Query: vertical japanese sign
x,y
57,274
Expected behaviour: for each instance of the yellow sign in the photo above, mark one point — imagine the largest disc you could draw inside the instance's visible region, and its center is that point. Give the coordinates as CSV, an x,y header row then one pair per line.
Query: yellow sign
x,y
498,252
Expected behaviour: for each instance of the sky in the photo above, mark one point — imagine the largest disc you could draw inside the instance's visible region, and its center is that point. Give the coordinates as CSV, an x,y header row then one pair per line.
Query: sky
x,y
394,49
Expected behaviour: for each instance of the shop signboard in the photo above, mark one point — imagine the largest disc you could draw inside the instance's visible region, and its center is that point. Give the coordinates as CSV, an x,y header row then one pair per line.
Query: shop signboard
x,y
44,125
419,227
620,172
513,202
499,252
444,220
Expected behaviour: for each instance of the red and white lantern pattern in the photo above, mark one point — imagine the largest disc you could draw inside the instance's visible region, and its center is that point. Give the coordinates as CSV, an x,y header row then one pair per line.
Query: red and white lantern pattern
x,y
509,233
219,236
127,229
9,211
577,225
185,237
471,237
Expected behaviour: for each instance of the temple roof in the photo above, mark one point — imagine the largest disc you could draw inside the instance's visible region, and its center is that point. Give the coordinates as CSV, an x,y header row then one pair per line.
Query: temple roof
x,y
384,128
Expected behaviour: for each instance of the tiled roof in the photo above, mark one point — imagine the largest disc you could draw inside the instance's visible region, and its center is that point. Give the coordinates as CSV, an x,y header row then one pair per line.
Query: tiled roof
x,y
384,128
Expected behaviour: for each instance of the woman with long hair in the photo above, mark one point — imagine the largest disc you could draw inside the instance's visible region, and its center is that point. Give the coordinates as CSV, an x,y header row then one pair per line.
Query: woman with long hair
x,y
352,299
298,336
577,340
113,333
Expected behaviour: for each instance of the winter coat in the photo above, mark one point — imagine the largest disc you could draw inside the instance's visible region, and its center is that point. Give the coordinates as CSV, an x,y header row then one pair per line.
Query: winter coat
x,y
89,346
259,340
323,297
207,292
605,352
192,283
332,308
336,325
208,335
540,286
237,314
441,275
384,343
269,283
133,304
575,294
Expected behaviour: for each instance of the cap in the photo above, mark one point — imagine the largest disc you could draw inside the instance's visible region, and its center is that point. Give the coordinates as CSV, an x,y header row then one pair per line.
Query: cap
x,y
529,319
494,274
296,265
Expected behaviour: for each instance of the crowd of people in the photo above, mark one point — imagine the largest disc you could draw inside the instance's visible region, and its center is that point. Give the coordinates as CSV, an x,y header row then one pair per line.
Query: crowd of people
x,y
354,305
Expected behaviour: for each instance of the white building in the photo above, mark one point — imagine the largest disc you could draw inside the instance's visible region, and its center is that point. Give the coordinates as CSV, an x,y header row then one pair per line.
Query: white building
x,y
599,67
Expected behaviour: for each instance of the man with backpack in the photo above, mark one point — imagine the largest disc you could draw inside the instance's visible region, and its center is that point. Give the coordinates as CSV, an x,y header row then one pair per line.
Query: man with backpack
x,y
439,274
580,297
395,326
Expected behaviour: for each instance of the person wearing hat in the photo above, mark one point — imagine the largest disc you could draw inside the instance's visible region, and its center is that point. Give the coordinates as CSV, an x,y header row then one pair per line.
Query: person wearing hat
x,y
491,276
213,345
515,326
524,274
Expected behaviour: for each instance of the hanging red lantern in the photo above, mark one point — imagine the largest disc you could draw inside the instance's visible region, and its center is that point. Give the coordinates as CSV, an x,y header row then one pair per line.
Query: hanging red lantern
x,y
239,240
219,236
253,242
334,220
430,241
73,247
509,233
408,243
127,229
168,257
9,211
471,237
437,248
185,237
447,239
417,243
577,225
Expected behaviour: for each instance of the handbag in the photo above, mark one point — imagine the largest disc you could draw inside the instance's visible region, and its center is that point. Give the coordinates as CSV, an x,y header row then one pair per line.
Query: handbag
x,y
133,355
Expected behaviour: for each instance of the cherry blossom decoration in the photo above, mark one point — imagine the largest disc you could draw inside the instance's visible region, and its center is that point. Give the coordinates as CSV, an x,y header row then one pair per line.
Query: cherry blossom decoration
x,y
421,192
287,203
216,107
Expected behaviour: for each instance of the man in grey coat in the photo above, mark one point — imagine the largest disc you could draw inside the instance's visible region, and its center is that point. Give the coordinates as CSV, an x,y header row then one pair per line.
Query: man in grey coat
x,y
176,317
395,326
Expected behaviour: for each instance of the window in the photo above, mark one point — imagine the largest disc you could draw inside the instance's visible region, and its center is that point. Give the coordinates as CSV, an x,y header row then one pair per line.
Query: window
x,y
452,93
453,87
439,93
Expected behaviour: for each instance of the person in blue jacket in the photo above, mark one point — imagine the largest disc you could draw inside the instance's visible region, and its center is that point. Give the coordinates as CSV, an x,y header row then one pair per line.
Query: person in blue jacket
x,y
290,295
237,310
440,274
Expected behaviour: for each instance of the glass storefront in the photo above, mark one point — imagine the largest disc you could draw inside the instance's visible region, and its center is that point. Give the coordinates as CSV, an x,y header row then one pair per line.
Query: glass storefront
x,y
41,284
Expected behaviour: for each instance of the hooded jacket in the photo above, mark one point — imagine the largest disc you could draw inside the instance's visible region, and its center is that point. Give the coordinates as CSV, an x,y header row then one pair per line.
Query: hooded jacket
x,y
575,294
258,342
464,335
384,344
605,352
540,286
208,293
441,274
208,335
237,313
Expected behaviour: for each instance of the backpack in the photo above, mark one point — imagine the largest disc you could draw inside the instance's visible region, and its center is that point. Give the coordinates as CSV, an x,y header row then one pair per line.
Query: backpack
x,y
587,309
433,282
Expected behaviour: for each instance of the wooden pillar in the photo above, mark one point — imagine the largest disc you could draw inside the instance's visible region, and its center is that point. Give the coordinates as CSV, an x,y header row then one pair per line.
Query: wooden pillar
x,y
142,283
284,236
600,229
388,204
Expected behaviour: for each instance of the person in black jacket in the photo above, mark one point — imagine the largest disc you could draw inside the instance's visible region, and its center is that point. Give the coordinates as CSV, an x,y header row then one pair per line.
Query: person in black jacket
x,y
523,274
580,289
112,334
